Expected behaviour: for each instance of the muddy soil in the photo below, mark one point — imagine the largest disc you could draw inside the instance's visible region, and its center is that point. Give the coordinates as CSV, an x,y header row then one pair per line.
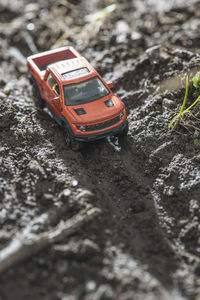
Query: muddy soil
x,y
143,241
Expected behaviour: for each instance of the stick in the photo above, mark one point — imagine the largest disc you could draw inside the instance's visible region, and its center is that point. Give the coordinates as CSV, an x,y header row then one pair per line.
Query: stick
x,y
28,244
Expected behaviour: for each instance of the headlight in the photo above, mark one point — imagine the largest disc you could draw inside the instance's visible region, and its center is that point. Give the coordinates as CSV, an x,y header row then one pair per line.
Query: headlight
x,y
121,115
81,128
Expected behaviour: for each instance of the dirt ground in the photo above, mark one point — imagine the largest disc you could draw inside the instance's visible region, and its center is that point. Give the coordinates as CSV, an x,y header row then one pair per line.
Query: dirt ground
x,y
130,207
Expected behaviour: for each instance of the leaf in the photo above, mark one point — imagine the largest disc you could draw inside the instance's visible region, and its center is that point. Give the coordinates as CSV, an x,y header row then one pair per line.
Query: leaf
x,y
196,80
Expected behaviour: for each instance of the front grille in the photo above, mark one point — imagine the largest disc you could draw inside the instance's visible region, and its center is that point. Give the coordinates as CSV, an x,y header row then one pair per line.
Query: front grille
x,y
103,125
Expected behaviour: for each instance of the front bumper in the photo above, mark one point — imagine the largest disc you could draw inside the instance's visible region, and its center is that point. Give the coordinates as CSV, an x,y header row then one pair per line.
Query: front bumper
x,y
101,135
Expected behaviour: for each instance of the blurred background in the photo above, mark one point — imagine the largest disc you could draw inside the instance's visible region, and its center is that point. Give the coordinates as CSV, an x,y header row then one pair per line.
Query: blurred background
x,y
106,29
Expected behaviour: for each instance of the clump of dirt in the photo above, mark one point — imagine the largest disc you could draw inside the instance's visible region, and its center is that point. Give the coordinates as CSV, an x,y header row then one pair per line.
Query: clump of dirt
x,y
119,219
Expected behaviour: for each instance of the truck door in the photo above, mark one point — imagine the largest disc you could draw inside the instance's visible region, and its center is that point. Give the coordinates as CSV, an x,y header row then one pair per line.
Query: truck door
x,y
52,95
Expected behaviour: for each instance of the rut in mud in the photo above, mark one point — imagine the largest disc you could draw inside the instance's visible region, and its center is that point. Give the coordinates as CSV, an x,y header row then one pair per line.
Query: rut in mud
x,y
133,222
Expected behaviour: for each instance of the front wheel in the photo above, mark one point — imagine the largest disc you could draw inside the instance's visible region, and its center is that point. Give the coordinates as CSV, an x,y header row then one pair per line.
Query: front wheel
x,y
70,142
124,132
67,136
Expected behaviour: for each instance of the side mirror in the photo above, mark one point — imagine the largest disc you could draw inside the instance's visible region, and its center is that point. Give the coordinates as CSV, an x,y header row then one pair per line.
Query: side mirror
x,y
55,100
110,85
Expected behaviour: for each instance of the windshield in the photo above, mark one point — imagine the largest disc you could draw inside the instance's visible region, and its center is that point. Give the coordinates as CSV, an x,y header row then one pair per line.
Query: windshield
x,y
85,91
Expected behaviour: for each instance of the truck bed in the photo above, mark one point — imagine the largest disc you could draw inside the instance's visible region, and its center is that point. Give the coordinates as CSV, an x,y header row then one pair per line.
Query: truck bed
x,y
43,60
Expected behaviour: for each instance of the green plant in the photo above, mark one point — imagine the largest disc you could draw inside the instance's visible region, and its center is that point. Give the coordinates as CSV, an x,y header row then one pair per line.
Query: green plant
x,y
196,80
178,117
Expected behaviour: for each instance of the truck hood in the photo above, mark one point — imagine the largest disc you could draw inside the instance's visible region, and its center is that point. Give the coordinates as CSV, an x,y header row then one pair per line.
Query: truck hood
x,y
96,111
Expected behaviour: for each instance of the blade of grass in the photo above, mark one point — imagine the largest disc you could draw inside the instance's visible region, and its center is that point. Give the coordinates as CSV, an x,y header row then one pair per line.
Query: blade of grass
x,y
186,95
191,105
183,105
173,120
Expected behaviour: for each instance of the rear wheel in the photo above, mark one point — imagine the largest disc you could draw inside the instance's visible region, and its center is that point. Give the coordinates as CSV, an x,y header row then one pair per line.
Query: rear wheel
x,y
36,93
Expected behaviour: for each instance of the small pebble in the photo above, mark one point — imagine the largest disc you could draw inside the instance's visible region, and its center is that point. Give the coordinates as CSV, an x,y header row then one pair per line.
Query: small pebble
x,y
167,103
2,95
74,182
91,286
85,194
67,192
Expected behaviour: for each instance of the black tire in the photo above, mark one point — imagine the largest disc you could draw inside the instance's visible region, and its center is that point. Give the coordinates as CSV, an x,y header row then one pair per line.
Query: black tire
x,y
76,145
36,93
124,132
67,136
70,142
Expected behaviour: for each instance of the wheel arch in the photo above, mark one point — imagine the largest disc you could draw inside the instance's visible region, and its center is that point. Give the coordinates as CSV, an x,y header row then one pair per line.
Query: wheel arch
x,y
64,122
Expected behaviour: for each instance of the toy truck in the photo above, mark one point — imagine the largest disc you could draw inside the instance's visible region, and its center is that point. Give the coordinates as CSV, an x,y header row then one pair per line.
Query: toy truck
x,y
77,97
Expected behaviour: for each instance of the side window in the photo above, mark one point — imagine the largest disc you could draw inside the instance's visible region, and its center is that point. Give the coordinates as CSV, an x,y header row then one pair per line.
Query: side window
x,y
53,84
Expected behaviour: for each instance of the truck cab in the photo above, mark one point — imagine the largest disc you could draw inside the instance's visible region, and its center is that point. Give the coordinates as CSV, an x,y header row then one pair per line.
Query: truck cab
x,y
76,95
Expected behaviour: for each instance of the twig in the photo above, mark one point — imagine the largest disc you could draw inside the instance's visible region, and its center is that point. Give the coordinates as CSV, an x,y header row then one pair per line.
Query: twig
x,y
157,150
186,125
193,116
28,244
68,4
30,42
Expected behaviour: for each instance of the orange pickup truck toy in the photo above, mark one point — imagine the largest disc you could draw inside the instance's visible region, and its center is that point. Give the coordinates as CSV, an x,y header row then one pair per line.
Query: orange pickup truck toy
x,y
76,96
